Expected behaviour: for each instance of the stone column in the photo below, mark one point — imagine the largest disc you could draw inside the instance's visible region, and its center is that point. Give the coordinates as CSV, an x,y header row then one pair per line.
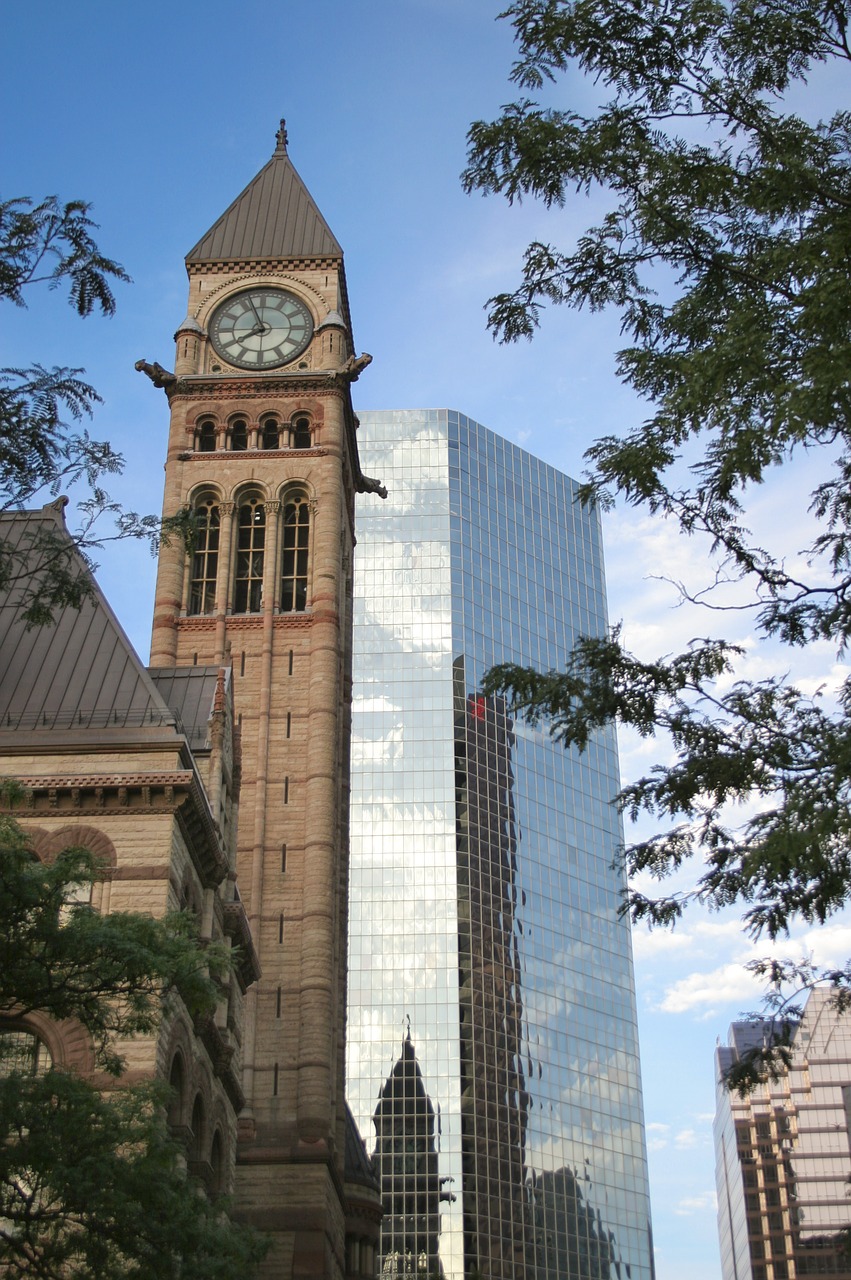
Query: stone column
x,y
170,570
223,576
316,1059
261,776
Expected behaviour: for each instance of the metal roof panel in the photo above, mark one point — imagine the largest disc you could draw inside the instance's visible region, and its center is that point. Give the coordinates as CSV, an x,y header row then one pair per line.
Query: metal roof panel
x,y
191,694
81,670
274,217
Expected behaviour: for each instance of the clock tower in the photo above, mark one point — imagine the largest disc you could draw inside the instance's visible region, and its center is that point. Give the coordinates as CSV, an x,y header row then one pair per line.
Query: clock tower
x,y
262,450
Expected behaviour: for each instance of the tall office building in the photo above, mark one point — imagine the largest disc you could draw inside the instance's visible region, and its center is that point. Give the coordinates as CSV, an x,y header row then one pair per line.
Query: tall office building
x,y
492,1049
783,1154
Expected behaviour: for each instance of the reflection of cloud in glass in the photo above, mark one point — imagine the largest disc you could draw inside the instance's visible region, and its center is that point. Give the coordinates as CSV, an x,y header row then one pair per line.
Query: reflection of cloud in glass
x,y
484,905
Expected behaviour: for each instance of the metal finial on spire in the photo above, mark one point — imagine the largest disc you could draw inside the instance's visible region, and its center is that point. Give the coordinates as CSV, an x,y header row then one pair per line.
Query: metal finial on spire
x,y
281,136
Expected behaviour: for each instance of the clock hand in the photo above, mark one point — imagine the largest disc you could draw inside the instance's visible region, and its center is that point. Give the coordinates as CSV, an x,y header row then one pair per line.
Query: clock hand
x,y
261,327
257,331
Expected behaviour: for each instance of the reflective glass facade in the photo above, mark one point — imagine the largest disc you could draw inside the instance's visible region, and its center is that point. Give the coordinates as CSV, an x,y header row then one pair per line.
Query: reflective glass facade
x,y
492,1046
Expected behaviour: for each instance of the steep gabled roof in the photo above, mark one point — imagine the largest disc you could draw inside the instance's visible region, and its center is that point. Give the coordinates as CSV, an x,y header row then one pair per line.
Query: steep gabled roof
x,y
274,217
357,1165
79,672
190,692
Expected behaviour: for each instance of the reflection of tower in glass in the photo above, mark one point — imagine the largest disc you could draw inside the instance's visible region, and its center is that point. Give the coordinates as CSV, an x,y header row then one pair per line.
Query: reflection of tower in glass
x,y
568,1238
405,1160
485,881
493,1095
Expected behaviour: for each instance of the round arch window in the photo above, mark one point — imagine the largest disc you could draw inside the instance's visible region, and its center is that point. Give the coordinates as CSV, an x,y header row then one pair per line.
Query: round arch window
x,y
23,1053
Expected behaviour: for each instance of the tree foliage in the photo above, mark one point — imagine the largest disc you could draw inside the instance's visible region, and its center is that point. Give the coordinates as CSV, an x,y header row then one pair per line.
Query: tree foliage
x,y
91,1183
109,972
788,985
725,246
90,1189
44,448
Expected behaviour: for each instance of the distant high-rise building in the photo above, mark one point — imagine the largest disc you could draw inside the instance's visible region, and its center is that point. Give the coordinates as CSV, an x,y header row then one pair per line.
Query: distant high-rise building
x,y
783,1154
493,1055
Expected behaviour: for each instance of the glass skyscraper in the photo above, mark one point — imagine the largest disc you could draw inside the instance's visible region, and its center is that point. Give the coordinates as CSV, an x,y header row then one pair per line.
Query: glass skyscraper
x,y
492,1047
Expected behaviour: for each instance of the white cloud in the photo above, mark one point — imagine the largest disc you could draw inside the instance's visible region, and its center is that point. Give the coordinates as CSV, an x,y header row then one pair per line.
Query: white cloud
x,y
698,938
723,985
829,944
696,1204
705,992
657,1136
656,942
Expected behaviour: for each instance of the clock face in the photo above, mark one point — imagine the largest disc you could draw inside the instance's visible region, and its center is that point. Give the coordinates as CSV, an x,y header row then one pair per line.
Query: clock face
x,y
261,328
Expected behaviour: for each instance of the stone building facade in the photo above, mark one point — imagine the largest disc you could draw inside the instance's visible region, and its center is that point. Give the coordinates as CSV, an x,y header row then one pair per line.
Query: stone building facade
x,y
262,450
143,769
218,778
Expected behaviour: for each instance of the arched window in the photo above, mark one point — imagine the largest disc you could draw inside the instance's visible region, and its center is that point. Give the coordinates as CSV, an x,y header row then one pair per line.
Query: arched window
x,y
239,436
250,546
77,894
217,1163
188,899
205,561
177,1084
206,438
296,550
199,1124
301,433
23,1053
270,434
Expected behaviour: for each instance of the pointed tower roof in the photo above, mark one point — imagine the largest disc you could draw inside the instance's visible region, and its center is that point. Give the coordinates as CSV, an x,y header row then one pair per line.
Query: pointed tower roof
x,y
274,217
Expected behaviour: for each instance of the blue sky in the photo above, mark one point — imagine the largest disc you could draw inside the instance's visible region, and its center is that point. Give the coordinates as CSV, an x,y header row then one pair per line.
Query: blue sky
x,y
159,116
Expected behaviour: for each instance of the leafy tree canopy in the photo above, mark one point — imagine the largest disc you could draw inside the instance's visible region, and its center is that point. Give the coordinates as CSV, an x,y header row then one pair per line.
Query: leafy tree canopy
x,y
109,972
91,1183
725,247
43,446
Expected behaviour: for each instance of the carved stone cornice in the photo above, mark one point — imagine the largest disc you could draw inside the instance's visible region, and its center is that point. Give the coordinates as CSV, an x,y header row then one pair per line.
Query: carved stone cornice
x,y
247,622
284,621
202,838
235,926
271,455
363,1202
171,780
267,266
221,1050
177,792
230,386
205,623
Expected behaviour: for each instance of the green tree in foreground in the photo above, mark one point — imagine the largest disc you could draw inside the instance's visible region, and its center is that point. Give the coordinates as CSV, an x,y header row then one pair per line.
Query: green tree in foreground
x,y
91,1184
738,210
43,448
